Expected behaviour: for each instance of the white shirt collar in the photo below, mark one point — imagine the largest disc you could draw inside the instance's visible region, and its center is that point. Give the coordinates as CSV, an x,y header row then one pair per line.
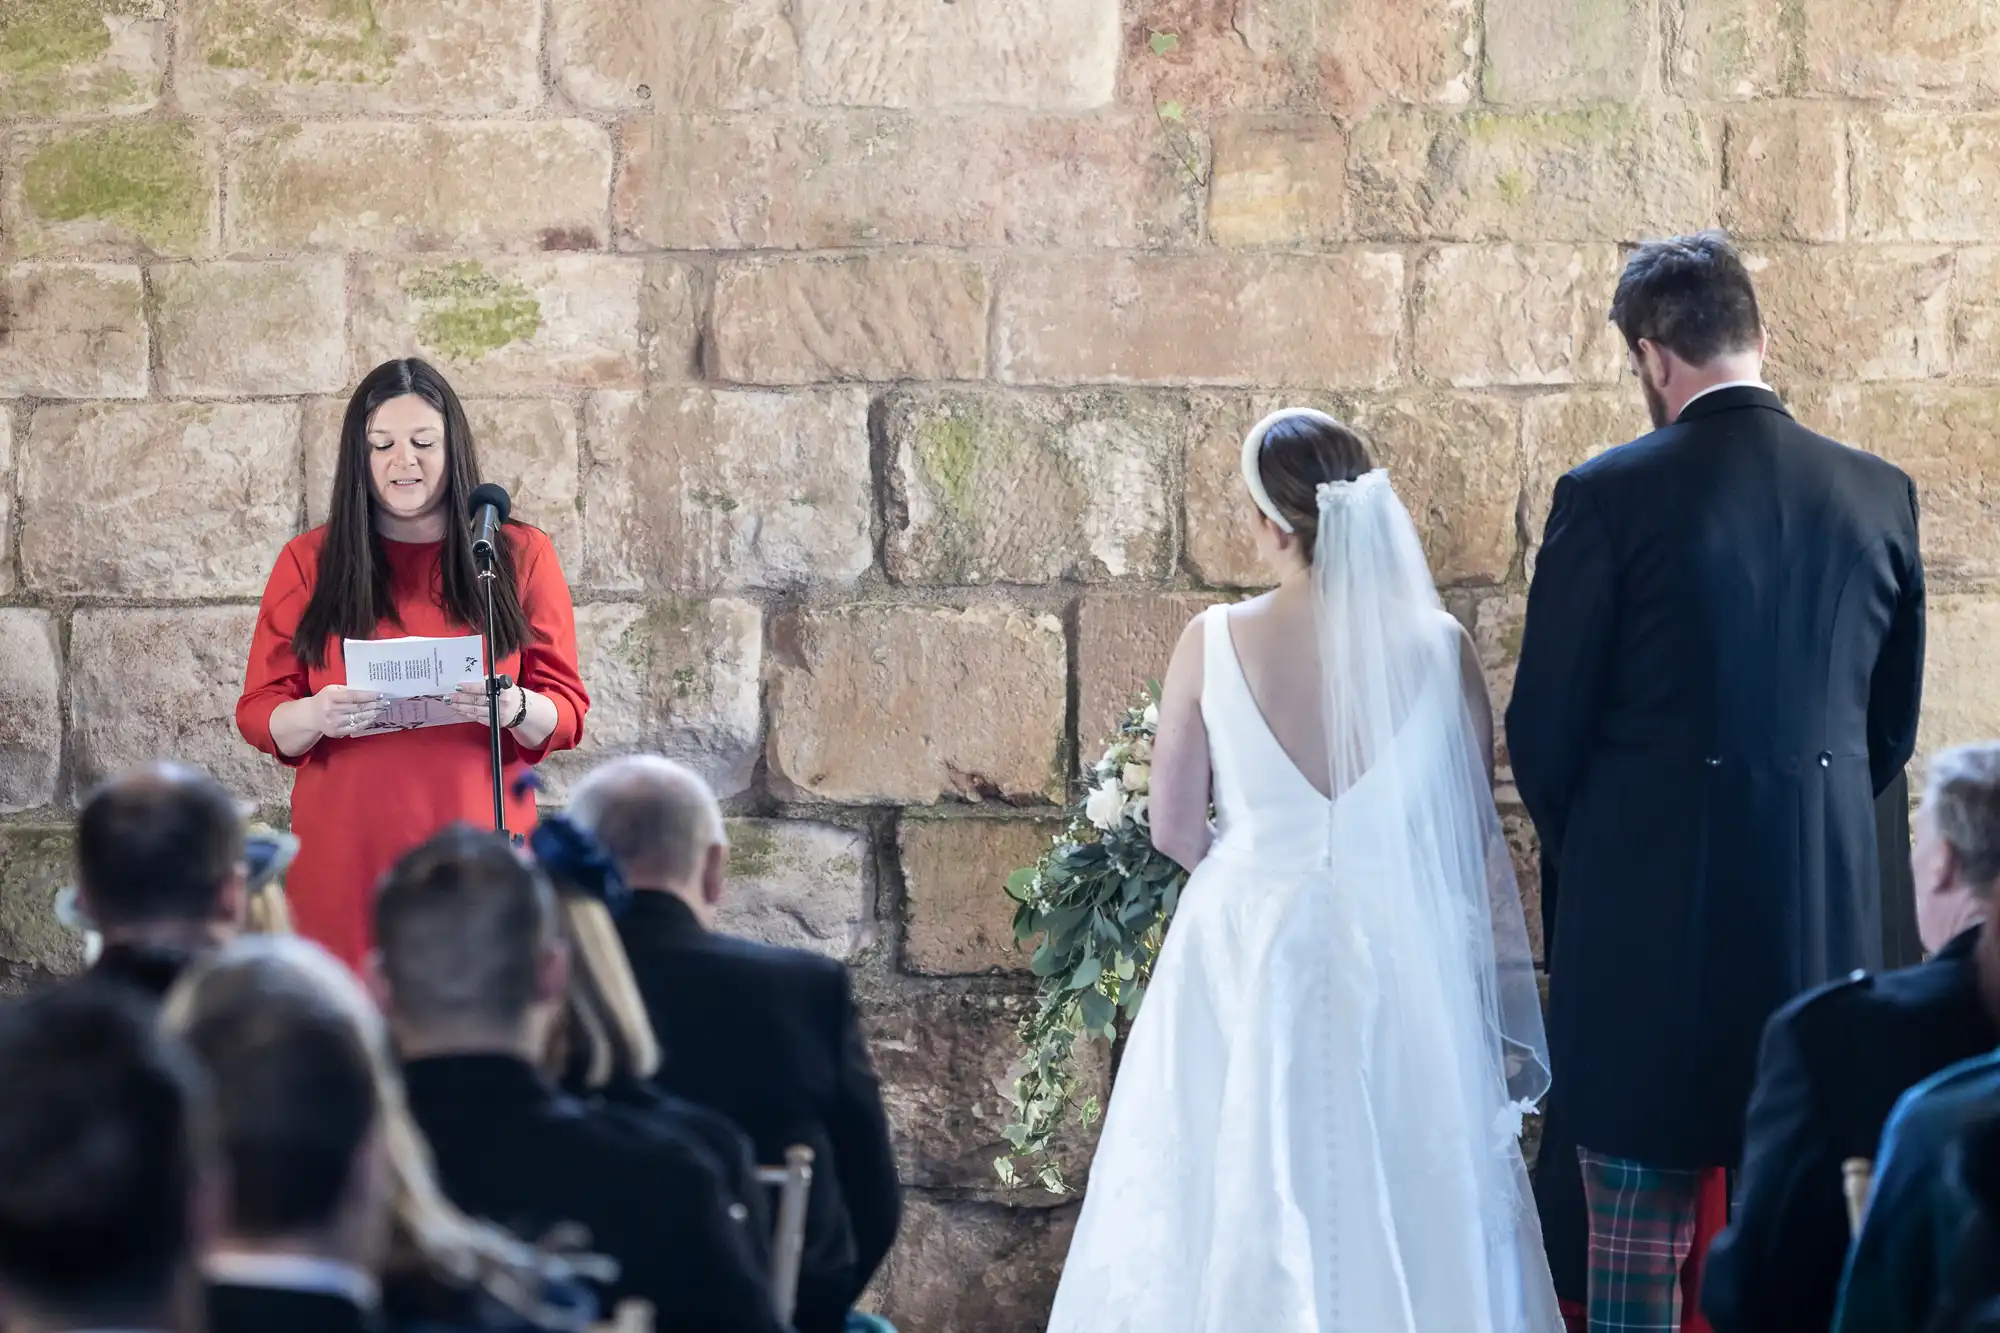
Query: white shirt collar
x,y
1726,384
293,1272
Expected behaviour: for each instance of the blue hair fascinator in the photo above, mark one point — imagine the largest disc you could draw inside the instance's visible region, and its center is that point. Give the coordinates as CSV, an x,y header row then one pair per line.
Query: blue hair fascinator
x,y
578,861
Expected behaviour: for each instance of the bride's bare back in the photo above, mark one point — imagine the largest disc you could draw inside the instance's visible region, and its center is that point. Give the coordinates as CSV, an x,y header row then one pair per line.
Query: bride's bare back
x,y
1277,647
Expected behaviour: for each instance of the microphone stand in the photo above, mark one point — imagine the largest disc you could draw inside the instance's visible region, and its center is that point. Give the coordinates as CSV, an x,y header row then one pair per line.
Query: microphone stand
x,y
493,688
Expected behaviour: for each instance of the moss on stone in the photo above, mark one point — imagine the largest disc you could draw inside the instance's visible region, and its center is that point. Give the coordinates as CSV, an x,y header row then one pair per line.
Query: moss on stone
x,y
46,36
470,312
684,679
1792,27
301,41
145,176
948,450
753,852
1513,186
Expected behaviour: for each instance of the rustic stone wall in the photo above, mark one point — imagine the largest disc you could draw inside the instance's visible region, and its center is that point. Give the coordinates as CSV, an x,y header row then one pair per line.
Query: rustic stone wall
x,y
877,366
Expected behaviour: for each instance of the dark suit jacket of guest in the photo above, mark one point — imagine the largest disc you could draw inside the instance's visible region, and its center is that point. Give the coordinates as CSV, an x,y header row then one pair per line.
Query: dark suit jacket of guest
x,y
246,1309
728,1148
513,1149
1721,669
1834,1063
770,1038
150,969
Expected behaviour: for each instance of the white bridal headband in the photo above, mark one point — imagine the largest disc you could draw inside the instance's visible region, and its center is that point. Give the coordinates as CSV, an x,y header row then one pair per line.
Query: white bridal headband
x,y
1253,444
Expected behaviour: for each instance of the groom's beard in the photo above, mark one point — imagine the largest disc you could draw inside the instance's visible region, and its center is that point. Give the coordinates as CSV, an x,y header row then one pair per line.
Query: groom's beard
x,y
1656,404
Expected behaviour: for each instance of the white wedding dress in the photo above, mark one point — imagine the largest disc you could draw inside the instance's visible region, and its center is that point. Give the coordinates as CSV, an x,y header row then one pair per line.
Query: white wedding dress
x,y
1314,1126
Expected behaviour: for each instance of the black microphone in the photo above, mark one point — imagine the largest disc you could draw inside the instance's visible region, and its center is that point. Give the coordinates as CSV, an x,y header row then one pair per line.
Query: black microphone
x,y
489,505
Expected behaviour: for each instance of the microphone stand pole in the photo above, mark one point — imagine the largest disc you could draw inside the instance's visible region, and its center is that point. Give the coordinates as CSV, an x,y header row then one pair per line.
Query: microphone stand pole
x,y
493,688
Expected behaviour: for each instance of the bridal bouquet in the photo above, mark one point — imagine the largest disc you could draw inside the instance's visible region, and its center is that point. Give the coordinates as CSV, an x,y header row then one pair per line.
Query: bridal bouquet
x,y
1095,909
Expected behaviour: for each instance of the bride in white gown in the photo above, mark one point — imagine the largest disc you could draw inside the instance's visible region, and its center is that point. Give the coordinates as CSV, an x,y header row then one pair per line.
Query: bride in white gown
x,y
1316,1122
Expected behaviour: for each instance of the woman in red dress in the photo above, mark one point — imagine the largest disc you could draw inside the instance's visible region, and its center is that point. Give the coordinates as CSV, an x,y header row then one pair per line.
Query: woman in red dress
x,y
395,558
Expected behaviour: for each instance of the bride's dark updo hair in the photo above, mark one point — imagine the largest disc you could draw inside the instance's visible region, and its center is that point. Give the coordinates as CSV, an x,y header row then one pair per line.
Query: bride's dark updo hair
x,y
1298,454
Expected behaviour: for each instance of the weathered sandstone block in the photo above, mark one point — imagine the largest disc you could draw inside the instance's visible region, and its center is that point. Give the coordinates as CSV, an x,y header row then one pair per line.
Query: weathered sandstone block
x,y
1730,50
35,864
797,181
110,188
1122,643
73,331
991,486
30,709
1517,314
1947,49
1251,54
7,571
868,318
695,490
957,916
944,1056
690,55
1045,54
251,328
1784,173
961,1267
1567,50
800,885
80,57
1856,312
1607,172
1926,176
163,684
873,704
1277,180
458,185
678,679
321,57
1961,692
120,499
1239,319
503,325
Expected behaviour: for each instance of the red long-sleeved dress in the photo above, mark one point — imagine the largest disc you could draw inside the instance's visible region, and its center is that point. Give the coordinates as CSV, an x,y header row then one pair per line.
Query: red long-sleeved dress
x,y
358,804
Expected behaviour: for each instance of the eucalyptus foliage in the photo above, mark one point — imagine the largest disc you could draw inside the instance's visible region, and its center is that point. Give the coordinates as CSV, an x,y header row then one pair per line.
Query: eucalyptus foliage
x,y
1095,910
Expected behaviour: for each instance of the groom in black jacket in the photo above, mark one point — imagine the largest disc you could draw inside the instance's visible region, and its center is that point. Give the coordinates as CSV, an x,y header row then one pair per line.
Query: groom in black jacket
x,y
1720,671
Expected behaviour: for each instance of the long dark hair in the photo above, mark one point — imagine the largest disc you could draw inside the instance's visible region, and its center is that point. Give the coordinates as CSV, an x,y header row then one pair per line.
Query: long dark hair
x,y
351,595
1298,453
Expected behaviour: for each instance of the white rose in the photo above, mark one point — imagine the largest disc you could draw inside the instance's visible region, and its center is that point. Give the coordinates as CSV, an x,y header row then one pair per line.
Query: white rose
x,y
1142,751
1105,806
1137,777
1151,717
1140,811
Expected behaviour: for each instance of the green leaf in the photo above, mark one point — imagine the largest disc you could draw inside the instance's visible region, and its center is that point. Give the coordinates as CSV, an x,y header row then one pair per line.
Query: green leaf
x,y
1086,976
1097,1010
1163,43
1046,961
1152,691
1132,997
1020,882
1127,968
1173,111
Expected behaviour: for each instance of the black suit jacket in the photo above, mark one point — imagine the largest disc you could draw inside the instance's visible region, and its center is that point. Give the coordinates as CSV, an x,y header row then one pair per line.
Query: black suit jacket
x,y
770,1038
514,1150
1721,669
244,1309
1834,1063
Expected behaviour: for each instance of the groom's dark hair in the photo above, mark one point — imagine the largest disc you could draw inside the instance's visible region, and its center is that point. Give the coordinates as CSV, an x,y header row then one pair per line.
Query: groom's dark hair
x,y
1689,294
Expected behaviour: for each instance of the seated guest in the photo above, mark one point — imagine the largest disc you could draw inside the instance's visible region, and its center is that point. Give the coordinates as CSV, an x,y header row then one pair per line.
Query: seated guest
x,y
161,873
473,975
605,1050
1836,1060
1911,1231
105,1170
327,1178
769,1037
305,1225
